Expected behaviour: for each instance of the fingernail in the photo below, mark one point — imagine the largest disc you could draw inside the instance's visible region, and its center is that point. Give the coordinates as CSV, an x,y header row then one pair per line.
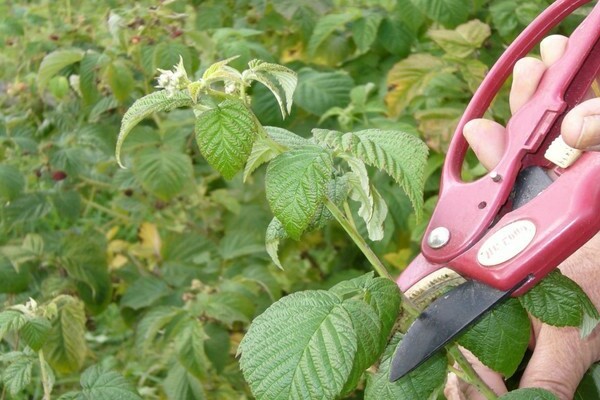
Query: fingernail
x,y
590,132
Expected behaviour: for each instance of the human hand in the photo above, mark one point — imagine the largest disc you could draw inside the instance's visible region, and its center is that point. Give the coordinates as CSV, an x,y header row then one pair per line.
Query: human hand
x,y
560,357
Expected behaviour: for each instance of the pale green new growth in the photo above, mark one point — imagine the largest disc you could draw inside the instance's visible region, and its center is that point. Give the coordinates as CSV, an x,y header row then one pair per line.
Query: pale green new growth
x,y
373,209
275,233
281,81
263,152
220,71
296,184
401,155
225,136
146,106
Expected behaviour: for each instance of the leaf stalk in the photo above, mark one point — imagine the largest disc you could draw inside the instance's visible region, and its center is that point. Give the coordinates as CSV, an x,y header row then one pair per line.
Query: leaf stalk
x,y
468,374
378,266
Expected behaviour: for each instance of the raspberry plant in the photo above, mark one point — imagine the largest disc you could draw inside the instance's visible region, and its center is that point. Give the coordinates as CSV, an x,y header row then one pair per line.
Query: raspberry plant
x,y
320,343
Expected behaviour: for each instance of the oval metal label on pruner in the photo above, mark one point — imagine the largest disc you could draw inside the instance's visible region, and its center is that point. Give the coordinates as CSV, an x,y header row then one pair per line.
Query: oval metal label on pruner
x,y
505,244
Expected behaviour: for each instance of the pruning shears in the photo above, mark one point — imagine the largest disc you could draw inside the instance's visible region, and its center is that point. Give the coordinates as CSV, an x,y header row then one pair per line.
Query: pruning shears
x,y
504,232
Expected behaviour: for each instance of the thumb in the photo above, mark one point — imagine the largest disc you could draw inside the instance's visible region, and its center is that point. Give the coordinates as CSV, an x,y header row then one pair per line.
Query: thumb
x,y
581,126
558,362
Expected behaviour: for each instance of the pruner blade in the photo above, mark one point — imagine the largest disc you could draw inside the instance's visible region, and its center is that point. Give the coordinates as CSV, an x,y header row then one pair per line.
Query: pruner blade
x,y
442,321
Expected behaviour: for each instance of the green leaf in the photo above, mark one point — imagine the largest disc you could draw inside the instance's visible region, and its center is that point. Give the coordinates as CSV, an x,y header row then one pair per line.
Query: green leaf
x,y
11,320
67,204
326,26
337,191
302,346
408,79
163,172
381,294
281,81
395,37
447,12
17,375
35,332
146,106
364,31
12,281
319,91
84,257
275,233
506,330
70,396
296,183
401,155
88,75
217,345
231,306
419,384
373,328
225,136
221,71
589,387
54,62
190,348
166,55
27,207
65,346
373,209
529,394
286,138
557,300
13,182
505,18
100,384
152,324
144,292
462,41
181,385
368,330
263,152
120,79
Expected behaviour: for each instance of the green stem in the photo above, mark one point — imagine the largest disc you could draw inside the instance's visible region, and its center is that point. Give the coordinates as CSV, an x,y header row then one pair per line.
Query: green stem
x,y
68,7
45,379
95,182
350,229
107,210
468,374
349,214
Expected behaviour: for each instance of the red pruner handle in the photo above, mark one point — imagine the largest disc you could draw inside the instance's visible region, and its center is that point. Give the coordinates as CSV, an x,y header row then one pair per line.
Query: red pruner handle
x,y
468,209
